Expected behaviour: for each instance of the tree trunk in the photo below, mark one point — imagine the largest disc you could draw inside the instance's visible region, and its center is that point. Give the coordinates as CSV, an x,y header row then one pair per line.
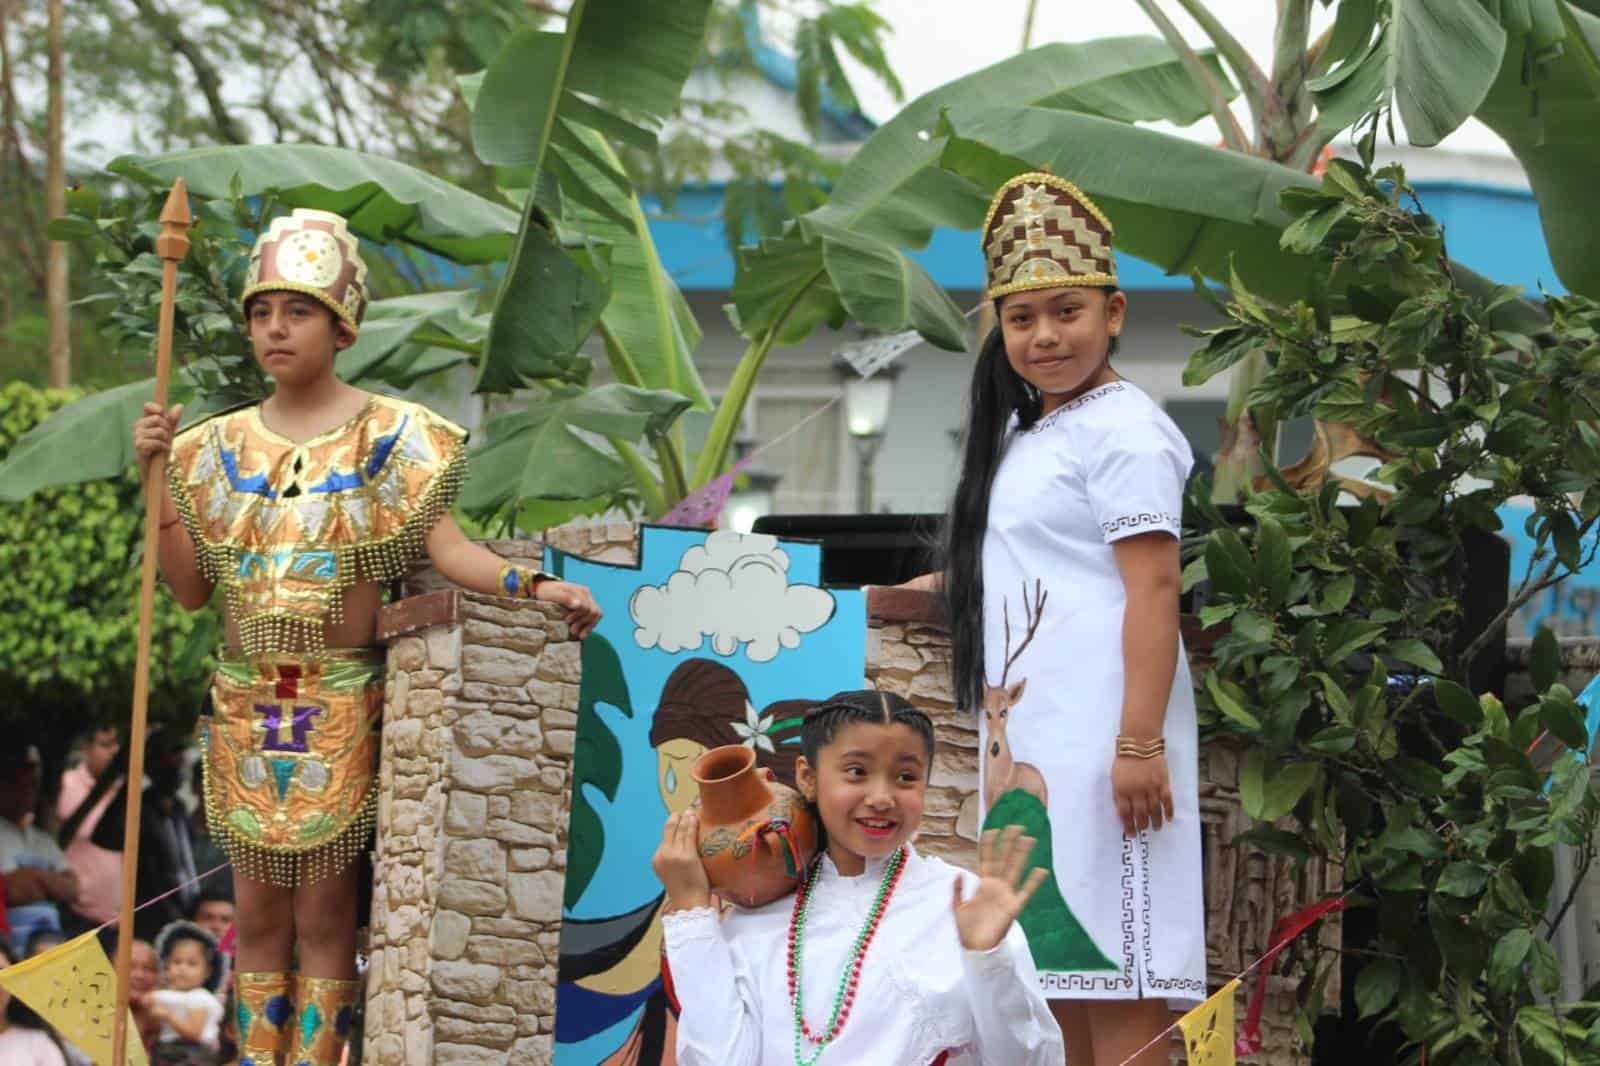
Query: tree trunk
x,y
56,295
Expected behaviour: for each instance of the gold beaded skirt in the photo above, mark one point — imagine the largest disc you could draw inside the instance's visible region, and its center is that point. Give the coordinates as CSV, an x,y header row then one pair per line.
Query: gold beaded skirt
x,y
291,762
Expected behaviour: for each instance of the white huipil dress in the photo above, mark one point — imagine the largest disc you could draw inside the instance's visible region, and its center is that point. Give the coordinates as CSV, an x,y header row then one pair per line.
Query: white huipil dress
x,y
1120,919
921,994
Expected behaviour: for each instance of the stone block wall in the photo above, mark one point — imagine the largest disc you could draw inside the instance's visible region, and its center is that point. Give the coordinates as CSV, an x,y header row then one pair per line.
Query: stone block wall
x,y
480,726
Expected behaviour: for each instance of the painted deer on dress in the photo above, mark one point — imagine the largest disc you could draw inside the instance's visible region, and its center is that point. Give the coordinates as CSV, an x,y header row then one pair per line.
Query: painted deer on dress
x,y
1001,772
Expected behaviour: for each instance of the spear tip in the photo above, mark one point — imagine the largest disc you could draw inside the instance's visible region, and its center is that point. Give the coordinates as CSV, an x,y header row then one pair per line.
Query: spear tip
x,y
173,244
176,210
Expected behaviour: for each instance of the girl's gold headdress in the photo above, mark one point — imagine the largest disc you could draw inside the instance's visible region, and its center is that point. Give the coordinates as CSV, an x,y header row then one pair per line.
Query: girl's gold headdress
x,y
1043,232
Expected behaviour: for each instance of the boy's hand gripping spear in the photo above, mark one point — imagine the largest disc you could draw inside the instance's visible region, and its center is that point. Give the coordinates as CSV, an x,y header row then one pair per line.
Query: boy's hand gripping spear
x,y
171,247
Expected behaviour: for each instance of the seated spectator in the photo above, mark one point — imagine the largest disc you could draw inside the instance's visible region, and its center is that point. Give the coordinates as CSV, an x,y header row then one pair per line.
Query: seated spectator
x,y
25,1040
144,977
38,880
86,794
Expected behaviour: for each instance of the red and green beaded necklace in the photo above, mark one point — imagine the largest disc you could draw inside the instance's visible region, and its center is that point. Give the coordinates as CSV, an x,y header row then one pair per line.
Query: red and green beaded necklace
x,y
845,997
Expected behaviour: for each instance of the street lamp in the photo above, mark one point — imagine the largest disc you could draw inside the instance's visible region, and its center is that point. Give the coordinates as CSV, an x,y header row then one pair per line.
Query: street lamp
x,y
753,490
867,402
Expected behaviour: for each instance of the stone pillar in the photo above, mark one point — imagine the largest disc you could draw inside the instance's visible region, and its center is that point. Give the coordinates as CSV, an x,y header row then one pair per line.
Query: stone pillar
x,y
466,910
480,720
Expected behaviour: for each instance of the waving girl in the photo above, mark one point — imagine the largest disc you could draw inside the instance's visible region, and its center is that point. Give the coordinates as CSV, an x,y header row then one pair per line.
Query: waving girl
x,y
882,955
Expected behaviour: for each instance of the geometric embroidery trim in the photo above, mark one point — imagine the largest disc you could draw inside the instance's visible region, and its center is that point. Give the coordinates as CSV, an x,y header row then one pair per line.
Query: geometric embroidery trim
x,y
1161,520
1123,982
1110,388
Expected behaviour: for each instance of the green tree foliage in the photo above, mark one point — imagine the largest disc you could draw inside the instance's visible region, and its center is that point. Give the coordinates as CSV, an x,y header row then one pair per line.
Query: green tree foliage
x,y
377,76
69,588
1347,661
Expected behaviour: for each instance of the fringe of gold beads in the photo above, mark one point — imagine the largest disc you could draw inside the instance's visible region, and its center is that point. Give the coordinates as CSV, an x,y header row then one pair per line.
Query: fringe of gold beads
x,y
290,869
382,561
285,867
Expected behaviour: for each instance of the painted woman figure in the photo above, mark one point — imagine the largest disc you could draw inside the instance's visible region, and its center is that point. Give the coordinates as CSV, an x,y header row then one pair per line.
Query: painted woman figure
x,y
1062,581
704,704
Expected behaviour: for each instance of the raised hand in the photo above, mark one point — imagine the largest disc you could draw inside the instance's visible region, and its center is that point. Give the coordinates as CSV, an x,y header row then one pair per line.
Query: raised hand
x,y
677,864
1002,889
583,614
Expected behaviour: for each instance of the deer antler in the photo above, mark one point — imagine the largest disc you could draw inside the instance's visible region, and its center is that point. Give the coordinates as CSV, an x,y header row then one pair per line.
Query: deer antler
x,y
1032,612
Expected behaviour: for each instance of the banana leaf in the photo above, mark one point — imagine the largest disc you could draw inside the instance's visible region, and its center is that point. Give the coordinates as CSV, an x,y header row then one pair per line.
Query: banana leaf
x,y
1548,117
893,188
383,200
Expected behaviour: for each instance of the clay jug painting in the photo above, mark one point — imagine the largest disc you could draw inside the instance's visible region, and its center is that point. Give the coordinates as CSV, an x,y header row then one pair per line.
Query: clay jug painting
x,y
756,834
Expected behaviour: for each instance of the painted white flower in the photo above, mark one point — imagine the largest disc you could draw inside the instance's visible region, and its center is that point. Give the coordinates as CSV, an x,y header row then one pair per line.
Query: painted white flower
x,y
753,730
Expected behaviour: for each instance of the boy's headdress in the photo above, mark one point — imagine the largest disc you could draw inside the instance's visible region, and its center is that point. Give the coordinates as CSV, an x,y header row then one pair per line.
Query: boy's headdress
x,y
311,252
1043,232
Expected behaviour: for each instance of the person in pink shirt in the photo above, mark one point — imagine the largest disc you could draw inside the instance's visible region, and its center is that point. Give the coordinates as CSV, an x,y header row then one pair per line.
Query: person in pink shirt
x,y
99,869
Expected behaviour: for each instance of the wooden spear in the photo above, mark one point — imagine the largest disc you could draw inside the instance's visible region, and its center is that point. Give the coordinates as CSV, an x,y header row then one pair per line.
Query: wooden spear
x,y
171,247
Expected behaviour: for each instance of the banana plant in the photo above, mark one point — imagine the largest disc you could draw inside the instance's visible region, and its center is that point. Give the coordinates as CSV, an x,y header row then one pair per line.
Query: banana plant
x,y
1435,63
584,258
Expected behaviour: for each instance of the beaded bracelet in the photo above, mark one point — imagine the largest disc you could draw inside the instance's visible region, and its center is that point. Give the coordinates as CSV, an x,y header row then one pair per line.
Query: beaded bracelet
x,y
521,582
1141,749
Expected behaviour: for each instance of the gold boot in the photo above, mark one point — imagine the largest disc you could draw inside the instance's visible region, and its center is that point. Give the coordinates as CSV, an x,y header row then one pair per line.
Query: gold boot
x,y
327,1012
266,1017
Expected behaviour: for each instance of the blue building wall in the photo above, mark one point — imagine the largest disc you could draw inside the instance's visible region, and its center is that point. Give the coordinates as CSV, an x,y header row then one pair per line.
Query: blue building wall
x,y
1494,231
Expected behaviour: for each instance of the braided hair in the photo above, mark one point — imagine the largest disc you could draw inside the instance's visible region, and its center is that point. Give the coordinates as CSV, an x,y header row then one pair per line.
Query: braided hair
x,y
825,720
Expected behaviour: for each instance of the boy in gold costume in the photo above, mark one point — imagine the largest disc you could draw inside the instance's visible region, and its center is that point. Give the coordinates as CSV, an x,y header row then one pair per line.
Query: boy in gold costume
x,y
302,507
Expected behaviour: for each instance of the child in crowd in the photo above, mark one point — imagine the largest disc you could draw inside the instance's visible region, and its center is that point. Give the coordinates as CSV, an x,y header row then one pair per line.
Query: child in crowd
x,y
187,1005
922,962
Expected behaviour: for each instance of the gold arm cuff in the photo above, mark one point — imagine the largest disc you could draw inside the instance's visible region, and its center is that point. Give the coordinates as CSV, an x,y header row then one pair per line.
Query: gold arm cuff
x,y
521,582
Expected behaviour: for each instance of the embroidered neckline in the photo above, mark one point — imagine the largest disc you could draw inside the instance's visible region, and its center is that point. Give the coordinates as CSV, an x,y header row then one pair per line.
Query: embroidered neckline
x,y
1096,393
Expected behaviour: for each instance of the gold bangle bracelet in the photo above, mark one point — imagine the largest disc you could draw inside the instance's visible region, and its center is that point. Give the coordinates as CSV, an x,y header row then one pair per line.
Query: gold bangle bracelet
x,y
1141,749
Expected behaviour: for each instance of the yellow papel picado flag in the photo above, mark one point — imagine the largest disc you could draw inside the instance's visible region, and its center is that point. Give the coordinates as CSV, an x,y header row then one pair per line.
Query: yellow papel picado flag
x,y
74,988
1208,1029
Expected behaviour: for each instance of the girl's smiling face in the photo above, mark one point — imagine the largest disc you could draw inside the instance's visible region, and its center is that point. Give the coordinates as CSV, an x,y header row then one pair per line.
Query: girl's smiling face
x,y
1059,340
869,786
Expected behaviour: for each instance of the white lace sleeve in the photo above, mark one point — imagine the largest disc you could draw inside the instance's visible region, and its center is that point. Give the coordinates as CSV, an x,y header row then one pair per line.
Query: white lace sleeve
x,y
1014,1023
721,1008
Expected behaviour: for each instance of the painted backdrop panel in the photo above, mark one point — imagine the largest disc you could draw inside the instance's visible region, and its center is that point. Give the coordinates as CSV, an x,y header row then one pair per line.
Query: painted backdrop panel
x,y
714,638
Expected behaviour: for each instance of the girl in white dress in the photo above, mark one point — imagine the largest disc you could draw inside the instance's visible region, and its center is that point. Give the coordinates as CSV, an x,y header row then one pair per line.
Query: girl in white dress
x,y
883,955
1061,583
